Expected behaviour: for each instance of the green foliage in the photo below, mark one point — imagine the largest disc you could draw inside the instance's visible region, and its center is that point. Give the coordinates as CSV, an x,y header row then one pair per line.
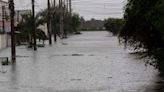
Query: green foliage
x,y
91,25
25,27
144,27
75,22
71,21
113,25
40,34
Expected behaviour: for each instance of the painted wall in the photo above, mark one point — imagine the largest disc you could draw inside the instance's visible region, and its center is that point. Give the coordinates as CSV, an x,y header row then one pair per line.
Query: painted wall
x,y
4,41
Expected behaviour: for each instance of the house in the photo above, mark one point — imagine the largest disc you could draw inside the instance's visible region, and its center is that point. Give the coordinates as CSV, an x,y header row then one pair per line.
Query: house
x,y
4,12
4,25
92,25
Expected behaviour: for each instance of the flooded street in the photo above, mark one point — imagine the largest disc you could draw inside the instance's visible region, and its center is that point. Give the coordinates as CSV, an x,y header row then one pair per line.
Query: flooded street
x,y
91,62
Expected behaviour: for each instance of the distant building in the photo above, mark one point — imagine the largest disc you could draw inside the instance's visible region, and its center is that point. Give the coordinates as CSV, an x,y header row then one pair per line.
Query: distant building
x,y
3,3
92,25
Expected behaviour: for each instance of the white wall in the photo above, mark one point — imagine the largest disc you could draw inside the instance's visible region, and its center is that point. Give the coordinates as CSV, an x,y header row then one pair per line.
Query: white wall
x,y
44,28
4,41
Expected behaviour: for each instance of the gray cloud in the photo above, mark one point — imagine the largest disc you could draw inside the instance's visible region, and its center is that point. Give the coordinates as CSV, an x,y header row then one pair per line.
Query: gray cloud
x,y
98,9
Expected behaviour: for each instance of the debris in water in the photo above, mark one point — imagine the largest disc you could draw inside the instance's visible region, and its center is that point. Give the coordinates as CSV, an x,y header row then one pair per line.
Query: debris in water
x,y
65,55
109,77
4,61
77,55
3,71
91,55
128,73
76,79
22,56
64,43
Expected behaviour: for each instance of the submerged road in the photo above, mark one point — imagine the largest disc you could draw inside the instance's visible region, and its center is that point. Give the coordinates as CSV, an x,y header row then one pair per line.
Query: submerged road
x,y
91,62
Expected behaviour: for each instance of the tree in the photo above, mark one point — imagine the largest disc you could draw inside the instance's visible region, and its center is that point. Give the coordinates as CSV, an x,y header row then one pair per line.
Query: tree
x,y
71,21
75,22
113,25
26,30
143,28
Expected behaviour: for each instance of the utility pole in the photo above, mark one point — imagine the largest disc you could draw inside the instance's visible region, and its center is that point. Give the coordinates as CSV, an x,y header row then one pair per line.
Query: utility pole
x,y
3,18
13,49
18,16
61,19
70,7
49,23
54,29
34,25
54,3
65,25
67,5
64,3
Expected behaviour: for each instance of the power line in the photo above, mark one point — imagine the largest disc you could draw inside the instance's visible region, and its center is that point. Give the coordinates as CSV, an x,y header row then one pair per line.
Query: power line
x,y
98,3
100,7
93,12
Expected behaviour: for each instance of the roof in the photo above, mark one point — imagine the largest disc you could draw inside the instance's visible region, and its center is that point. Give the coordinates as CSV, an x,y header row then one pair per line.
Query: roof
x,y
3,1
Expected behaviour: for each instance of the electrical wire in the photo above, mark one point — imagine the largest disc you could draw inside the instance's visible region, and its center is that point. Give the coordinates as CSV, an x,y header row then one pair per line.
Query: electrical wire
x,y
87,7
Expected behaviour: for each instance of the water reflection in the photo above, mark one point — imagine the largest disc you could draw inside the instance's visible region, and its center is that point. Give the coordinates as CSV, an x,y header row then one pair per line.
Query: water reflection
x,y
14,76
157,86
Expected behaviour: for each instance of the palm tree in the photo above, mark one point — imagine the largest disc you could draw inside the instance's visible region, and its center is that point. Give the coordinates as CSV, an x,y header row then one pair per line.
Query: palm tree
x,y
144,28
25,27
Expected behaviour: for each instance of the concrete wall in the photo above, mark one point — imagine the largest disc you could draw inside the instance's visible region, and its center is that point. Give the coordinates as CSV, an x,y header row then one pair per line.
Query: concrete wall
x,y
4,41
3,3
7,13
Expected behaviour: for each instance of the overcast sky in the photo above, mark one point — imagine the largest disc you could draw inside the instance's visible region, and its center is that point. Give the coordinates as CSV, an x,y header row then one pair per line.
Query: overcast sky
x,y
98,9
